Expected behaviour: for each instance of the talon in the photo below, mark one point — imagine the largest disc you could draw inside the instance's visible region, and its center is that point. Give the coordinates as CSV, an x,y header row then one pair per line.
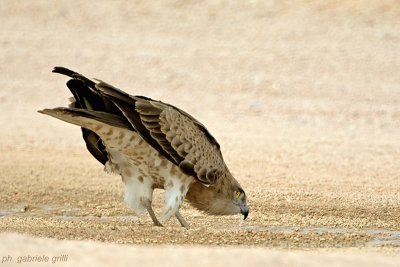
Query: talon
x,y
158,224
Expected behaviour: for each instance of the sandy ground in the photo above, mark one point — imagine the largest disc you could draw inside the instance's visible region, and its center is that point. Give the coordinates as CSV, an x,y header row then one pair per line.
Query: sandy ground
x,y
303,98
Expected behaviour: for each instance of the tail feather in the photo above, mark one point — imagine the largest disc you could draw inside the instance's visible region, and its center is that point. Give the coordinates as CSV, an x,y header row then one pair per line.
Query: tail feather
x,y
77,116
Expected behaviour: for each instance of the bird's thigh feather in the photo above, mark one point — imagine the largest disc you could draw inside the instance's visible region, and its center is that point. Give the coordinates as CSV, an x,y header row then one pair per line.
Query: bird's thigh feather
x,y
137,192
176,187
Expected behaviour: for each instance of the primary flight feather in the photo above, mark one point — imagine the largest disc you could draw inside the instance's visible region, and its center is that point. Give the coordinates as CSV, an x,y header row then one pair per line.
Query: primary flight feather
x,y
152,145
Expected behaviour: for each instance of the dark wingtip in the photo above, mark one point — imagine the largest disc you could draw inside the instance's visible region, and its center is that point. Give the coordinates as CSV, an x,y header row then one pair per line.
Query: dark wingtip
x,y
74,75
64,71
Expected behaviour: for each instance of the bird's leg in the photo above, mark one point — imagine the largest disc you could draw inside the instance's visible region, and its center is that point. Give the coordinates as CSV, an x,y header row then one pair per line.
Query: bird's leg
x,y
181,219
147,204
175,192
138,194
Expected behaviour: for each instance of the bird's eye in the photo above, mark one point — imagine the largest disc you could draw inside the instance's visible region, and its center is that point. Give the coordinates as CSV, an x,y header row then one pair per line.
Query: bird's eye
x,y
237,194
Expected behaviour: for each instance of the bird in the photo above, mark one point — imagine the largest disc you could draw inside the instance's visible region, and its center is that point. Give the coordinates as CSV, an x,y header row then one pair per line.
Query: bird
x,y
151,145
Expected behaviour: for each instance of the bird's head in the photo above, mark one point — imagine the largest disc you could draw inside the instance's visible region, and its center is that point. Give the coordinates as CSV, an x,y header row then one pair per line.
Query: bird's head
x,y
226,197
230,200
240,201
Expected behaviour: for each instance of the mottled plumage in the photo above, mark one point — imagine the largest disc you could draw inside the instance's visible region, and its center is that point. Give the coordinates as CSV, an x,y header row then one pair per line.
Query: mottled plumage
x,y
151,144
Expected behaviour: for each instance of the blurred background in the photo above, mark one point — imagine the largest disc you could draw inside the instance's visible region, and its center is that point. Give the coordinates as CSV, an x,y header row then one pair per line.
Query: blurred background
x,y
269,60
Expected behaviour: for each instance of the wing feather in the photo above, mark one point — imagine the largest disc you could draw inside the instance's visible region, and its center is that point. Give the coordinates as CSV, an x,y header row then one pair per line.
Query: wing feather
x,y
172,132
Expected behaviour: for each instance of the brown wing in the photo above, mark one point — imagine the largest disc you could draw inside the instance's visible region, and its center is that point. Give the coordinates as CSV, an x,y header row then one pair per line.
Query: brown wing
x,y
173,133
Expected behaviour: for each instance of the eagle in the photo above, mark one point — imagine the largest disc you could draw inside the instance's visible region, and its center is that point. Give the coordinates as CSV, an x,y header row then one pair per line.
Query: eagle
x,y
152,145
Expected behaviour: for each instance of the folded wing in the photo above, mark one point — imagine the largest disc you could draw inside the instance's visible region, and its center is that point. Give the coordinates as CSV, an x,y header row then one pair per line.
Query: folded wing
x,y
175,134
172,132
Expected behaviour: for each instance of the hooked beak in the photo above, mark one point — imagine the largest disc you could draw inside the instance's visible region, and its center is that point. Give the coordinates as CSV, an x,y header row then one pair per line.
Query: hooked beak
x,y
245,212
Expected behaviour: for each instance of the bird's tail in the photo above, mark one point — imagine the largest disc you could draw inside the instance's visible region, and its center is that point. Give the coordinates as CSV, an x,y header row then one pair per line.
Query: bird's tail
x,y
86,118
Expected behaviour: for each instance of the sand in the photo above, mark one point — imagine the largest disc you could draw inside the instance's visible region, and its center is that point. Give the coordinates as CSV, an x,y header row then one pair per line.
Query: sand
x,y
303,98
